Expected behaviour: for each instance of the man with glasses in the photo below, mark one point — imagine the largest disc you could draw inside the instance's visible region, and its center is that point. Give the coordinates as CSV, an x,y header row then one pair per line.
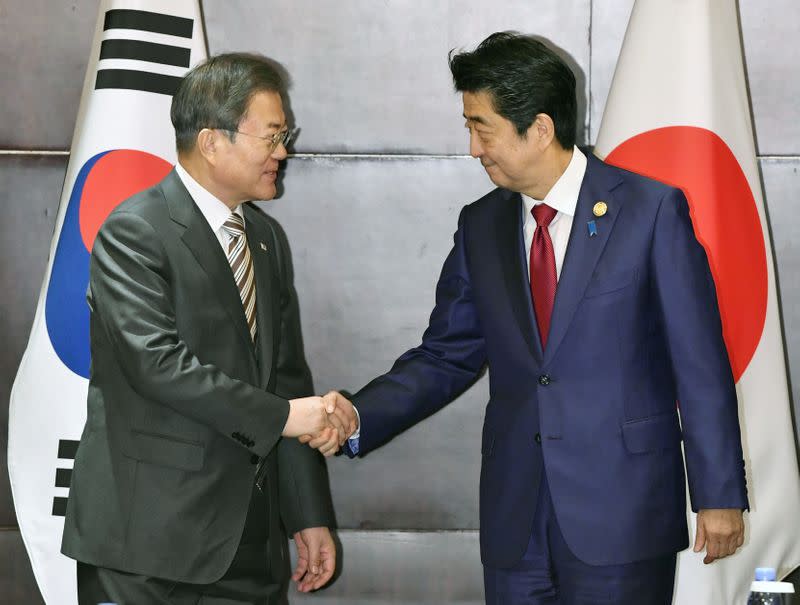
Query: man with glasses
x,y
188,471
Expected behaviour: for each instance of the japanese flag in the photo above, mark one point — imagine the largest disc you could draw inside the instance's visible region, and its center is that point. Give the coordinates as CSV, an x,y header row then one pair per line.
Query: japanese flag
x,y
679,111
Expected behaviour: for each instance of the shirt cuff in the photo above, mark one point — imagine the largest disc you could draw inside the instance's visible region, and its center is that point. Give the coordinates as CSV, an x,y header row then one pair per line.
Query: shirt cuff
x,y
354,438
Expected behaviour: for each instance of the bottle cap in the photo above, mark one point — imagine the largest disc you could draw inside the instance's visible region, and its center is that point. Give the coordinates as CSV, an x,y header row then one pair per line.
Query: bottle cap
x,y
771,587
765,574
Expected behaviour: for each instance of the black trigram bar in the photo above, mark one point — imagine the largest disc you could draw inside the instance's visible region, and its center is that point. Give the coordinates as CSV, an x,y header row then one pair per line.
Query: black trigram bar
x,y
137,80
67,448
63,477
149,22
145,51
59,507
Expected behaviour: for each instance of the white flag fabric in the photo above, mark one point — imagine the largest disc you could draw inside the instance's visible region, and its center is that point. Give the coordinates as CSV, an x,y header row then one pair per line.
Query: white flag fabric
x,y
123,143
678,111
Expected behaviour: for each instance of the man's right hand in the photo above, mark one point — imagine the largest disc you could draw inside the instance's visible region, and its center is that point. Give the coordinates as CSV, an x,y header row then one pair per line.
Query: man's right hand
x,y
343,418
308,416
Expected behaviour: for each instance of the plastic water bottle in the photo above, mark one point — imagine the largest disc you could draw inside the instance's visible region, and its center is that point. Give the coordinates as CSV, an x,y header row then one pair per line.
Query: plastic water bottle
x,y
766,591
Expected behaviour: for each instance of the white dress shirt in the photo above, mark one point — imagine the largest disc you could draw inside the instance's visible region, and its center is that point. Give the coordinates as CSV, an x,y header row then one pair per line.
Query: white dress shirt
x,y
562,197
214,210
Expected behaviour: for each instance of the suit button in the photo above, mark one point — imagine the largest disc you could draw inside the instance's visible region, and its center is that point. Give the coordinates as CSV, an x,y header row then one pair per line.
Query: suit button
x,y
544,380
537,438
254,459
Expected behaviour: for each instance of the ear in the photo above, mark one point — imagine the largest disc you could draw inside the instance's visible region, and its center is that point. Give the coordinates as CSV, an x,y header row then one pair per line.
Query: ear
x,y
544,130
208,144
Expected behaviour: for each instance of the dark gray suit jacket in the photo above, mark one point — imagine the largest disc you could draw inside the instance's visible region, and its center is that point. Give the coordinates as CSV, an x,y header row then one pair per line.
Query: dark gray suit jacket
x,y
181,405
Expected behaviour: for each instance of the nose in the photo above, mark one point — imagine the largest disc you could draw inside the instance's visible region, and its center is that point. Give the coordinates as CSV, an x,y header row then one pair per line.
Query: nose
x,y
280,153
475,148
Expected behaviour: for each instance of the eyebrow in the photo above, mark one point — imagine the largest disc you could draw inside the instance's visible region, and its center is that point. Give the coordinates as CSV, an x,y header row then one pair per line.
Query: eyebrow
x,y
478,119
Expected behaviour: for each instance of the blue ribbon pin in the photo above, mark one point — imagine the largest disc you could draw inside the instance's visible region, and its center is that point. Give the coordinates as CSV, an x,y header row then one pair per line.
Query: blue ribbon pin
x,y
592,226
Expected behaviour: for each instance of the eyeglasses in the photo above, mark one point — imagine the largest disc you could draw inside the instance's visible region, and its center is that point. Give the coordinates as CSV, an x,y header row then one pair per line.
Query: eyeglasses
x,y
282,137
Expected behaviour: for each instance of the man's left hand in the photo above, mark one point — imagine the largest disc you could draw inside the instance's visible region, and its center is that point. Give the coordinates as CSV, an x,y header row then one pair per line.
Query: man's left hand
x,y
316,558
720,531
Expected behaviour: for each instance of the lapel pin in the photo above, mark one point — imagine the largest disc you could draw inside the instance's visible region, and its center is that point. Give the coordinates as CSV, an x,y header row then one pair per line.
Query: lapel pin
x,y
263,246
592,226
599,209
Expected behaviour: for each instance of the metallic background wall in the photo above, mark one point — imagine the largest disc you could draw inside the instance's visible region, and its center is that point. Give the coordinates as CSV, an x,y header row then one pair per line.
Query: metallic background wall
x,y
370,205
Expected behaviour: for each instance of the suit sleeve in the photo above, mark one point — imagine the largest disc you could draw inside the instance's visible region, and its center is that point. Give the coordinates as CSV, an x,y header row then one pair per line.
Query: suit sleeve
x,y
687,302
129,290
428,377
305,496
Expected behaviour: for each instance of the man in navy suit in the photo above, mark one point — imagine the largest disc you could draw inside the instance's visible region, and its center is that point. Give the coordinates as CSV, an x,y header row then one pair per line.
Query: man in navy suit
x,y
585,290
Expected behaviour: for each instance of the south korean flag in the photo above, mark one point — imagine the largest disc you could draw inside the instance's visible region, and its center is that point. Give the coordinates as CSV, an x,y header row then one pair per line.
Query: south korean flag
x,y
123,142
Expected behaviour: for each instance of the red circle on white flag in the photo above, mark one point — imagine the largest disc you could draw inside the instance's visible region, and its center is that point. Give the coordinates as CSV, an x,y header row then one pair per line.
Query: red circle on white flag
x,y
115,177
725,219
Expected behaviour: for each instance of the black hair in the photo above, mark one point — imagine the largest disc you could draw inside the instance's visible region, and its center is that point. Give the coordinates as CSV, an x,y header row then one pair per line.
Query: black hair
x,y
524,78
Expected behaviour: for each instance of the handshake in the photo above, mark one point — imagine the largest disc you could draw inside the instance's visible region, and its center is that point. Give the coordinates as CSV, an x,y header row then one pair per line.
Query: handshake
x,y
324,423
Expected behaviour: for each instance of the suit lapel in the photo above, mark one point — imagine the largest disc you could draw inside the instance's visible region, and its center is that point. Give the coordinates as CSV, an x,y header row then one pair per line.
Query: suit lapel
x,y
513,262
262,251
205,247
583,251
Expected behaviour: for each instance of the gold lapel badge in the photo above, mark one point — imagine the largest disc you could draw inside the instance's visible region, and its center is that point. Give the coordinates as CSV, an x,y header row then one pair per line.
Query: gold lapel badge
x,y
600,208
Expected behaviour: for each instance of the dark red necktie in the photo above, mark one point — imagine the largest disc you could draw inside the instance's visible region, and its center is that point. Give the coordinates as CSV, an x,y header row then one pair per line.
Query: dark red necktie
x,y
543,269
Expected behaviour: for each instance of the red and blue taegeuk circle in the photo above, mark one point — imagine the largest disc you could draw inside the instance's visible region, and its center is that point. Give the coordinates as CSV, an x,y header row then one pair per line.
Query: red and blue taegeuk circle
x,y
103,182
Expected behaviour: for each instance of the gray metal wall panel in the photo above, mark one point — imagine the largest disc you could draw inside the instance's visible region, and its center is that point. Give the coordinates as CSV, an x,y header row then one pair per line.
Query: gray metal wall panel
x,y
609,21
373,76
782,187
368,239
769,33
17,584
345,97
43,56
404,568
30,186
772,53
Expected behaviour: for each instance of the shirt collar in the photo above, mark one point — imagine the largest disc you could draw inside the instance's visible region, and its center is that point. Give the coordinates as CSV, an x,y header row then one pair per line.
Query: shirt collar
x,y
211,207
563,195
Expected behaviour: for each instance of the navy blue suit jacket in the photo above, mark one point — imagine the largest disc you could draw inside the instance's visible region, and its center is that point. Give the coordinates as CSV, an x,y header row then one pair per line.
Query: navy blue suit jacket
x,y
635,328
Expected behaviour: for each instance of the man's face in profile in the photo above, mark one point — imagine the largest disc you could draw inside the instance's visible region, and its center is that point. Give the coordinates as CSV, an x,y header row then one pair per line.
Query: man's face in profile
x,y
249,163
509,159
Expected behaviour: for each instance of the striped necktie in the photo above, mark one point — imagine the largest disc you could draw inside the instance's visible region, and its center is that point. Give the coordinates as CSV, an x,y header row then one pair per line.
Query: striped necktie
x,y
242,267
